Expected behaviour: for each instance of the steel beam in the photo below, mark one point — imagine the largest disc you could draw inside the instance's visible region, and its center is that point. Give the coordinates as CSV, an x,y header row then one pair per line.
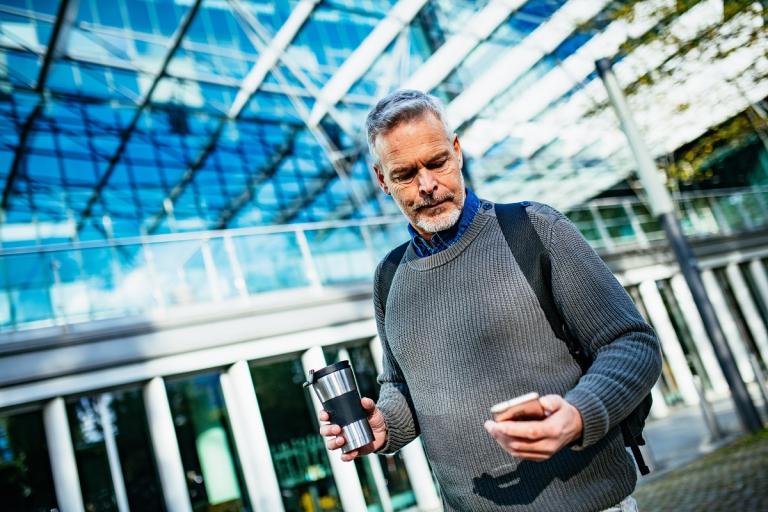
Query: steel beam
x,y
257,178
56,47
175,43
270,54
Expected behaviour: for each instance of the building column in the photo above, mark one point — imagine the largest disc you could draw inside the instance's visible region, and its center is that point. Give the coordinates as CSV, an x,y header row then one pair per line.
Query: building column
x,y
728,324
251,439
673,351
659,408
758,273
166,447
62,457
113,455
748,308
377,473
699,335
414,457
344,473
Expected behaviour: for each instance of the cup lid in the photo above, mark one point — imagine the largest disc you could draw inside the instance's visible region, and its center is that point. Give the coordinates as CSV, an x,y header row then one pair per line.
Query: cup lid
x,y
322,372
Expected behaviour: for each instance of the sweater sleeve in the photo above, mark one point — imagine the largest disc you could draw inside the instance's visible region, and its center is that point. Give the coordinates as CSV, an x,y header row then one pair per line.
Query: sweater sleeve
x,y
394,397
600,314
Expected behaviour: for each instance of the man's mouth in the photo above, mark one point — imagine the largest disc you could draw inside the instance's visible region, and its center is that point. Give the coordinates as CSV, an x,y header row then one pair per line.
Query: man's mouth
x,y
432,205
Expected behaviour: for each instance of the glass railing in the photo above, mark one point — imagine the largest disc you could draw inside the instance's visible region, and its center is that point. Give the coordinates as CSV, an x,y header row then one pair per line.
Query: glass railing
x,y
616,224
77,282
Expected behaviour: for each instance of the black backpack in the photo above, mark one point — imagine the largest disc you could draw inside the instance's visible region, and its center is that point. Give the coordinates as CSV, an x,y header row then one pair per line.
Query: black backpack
x,y
537,268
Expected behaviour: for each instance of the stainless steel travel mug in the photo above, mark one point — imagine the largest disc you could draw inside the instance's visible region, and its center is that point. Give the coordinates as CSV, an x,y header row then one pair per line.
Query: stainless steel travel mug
x,y
336,388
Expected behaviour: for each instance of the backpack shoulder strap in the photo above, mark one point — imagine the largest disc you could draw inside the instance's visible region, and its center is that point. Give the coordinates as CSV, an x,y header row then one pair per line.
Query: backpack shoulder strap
x,y
387,272
533,259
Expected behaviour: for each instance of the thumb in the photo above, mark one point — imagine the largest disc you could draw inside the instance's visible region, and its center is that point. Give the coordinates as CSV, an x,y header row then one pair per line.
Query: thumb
x,y
368,404
551,403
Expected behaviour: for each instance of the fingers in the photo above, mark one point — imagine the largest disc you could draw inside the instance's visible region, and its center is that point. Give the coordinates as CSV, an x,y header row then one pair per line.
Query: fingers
x,y
330,430
530,430
551,403
324,416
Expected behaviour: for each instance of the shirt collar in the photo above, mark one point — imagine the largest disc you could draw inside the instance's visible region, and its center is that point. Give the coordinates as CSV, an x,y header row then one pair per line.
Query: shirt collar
x,y
446,238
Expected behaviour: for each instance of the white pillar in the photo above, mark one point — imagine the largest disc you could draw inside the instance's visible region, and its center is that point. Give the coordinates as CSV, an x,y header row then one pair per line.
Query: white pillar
x,y
747,303
659,408
251,439
169,466
344,473
728,324
113,456
414,457
699,335
62,455
673,351
375,464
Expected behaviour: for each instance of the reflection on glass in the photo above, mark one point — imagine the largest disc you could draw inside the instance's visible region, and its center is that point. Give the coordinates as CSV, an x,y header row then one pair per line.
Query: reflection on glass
x,y
214,477
298,451
340,255
110,436
270,262
26,483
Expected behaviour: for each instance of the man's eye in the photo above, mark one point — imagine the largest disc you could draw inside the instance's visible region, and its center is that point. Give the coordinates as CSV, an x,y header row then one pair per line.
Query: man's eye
x,y
437,164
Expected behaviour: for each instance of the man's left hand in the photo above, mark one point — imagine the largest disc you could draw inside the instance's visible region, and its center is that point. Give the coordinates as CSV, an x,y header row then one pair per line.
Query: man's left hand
x,y
539,440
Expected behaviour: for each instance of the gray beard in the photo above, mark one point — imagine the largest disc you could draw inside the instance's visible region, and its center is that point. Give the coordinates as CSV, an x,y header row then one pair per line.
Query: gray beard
x,y
440,223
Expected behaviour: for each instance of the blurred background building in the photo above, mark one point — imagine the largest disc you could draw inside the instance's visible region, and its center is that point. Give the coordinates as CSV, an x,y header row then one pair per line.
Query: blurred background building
x,y
189,222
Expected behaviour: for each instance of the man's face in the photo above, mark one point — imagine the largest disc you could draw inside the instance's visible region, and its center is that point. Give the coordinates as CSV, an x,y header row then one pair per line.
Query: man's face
x,y
420,167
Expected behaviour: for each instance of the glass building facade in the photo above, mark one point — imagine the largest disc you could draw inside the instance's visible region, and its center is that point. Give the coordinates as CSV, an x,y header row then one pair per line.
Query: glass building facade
x,y
189,223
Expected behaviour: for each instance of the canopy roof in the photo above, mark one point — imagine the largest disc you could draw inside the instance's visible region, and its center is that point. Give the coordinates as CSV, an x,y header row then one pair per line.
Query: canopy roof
x,y
130,117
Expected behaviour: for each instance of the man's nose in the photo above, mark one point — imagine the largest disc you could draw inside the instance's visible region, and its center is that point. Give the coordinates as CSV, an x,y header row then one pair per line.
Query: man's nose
x,y
427,182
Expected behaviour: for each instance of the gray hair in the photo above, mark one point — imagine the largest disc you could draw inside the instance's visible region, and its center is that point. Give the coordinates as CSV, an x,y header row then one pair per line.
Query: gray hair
x,y
398,107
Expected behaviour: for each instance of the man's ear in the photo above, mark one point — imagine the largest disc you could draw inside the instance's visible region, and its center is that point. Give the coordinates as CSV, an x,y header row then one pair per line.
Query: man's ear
x,y
457,150
380,178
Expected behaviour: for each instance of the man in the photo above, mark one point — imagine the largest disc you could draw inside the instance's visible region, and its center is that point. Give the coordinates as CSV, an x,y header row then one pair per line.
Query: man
x,y
463,331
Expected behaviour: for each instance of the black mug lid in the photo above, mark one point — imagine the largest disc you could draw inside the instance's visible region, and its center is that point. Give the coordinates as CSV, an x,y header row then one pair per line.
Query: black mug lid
x,y
322,372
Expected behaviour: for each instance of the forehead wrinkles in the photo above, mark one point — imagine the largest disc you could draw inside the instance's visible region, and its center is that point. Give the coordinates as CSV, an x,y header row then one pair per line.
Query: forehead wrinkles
x,y
408,147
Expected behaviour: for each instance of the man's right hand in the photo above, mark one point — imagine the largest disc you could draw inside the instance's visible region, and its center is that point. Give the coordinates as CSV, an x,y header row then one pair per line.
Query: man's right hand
x,y
335,440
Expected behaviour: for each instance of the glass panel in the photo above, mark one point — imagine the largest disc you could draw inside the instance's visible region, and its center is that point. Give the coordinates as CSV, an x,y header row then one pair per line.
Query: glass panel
x,y
584,221
225,275
26,482
617,223
270,262
340,255
649,225
211,465
298,451
179,271
108,431
385,237
752,209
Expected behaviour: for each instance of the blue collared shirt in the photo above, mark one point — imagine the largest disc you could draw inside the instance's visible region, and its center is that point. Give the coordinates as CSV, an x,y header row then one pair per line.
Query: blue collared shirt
x,y
446,238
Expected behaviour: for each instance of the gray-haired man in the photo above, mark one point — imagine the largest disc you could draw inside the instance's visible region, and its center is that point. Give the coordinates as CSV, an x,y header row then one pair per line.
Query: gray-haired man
x,y
464,330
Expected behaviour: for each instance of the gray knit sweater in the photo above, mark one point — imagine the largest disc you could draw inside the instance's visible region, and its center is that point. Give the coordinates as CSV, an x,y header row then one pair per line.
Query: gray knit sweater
x,y
464,331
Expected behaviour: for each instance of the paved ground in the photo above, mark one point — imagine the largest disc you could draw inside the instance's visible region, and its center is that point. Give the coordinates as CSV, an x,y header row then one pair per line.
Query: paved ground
x,y
732,478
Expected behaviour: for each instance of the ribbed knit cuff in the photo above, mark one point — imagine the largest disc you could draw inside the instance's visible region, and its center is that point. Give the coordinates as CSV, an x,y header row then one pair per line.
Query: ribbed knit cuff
x,y
594,416
400,425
